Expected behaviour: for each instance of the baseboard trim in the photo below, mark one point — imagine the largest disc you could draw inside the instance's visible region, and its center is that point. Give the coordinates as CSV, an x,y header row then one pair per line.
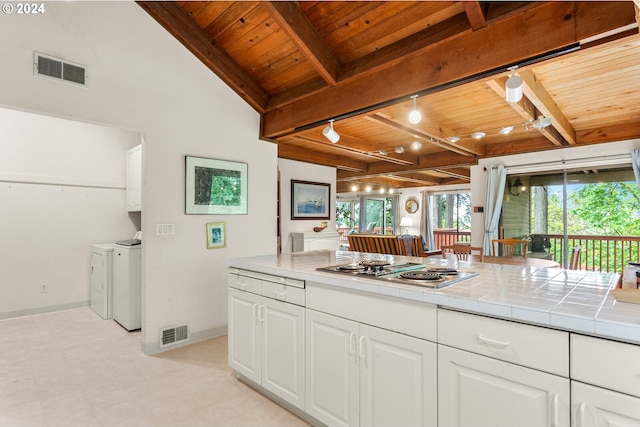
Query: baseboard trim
x,y
43,310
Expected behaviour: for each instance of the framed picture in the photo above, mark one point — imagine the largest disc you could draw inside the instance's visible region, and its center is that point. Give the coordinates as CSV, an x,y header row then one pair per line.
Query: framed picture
x,y
215,187
310,200
216,235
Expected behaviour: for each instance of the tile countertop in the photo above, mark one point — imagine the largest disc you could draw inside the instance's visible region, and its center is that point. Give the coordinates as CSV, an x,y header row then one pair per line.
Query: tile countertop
x,y
573,300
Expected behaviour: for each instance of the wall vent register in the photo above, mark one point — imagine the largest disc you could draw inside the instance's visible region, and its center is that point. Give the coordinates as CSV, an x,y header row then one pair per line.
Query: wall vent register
x,y
174,335
59,69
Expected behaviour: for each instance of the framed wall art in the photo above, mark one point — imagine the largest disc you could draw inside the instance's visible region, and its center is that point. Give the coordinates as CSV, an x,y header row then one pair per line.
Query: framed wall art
x,y
310,200
216,235
215,187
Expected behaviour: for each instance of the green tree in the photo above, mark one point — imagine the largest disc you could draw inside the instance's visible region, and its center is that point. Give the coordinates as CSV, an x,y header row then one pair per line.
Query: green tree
x,y
607,208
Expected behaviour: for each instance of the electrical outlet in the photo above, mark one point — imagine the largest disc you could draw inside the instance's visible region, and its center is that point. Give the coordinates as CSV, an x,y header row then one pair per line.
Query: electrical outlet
x,y
43,288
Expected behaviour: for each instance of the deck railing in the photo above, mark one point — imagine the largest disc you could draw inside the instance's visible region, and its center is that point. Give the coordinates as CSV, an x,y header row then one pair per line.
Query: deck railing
x,y
598,253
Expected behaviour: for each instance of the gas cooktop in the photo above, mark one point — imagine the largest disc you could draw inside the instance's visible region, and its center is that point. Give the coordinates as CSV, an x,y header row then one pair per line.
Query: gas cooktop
x,y
409,273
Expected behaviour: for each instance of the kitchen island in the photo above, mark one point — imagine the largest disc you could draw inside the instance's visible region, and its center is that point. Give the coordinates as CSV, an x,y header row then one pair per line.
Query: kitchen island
x,y
353,350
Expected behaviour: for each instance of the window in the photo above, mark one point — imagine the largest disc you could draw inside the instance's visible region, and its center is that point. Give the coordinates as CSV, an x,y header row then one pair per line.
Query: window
x,y
451,220
599,210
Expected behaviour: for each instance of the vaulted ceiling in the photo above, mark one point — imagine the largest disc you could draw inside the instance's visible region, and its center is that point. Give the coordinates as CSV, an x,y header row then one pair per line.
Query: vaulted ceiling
x,y
302,64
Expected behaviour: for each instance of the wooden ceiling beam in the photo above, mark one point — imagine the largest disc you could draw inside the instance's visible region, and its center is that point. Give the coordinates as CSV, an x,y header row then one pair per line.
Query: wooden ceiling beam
x,y
609,133
198,42
291,152
465,148
296,25
542,28
460,173
475,14
425,163
528,110
367,150
538,95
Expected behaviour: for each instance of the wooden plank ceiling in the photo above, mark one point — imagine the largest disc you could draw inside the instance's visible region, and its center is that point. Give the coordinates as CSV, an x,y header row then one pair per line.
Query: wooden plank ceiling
x,y
301,64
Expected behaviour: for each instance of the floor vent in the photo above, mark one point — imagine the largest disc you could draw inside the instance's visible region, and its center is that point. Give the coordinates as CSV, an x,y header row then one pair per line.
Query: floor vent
x,y
59,69
174,335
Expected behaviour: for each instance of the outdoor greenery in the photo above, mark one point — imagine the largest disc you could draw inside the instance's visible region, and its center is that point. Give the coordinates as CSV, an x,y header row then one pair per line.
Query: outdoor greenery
x,y
453,211
600,209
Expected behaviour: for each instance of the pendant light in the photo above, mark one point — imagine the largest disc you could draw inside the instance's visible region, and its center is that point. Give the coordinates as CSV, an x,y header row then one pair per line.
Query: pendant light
x,y
513,87
331,134
414,115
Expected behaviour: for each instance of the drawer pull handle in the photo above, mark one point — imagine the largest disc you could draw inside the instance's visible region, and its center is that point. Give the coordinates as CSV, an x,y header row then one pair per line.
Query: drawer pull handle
x,y
492,342
280,295
242,286
255,311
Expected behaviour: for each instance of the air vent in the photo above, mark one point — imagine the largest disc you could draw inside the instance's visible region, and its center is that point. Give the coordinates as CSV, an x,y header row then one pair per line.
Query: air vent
x,y
59,69
174,335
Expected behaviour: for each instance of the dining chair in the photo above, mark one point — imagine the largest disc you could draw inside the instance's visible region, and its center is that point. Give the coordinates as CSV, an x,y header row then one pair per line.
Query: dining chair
x,y
462,252
574,262
508,247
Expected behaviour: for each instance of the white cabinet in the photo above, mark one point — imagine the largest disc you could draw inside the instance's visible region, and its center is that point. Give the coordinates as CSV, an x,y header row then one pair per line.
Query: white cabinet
x,y
479,391
304,242
598,407
490,373
134,179
605,390
266,342
363,375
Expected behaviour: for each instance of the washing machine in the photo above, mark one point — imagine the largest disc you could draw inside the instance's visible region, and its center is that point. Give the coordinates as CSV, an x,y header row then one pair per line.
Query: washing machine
x,y
101,279
127,303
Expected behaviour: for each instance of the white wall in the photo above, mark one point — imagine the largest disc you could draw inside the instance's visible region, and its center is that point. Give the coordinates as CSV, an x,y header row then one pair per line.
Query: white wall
x,y
140,78
290,169
62,186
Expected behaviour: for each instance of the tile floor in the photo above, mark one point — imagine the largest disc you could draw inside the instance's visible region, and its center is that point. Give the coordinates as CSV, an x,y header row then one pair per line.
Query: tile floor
x,y
71,368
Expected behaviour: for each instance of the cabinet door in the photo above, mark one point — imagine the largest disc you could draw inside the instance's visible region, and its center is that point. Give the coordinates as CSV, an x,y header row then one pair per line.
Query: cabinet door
x,y
598,407
244,334
332,370
398,384
283,350
134,179
480,391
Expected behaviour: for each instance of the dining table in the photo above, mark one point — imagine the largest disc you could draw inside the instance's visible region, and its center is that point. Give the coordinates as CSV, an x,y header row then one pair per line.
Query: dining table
x,y
516,260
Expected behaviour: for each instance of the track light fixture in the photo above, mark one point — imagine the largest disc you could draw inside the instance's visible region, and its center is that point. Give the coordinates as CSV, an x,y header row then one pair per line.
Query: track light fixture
x,y
331,134
414,115
514,86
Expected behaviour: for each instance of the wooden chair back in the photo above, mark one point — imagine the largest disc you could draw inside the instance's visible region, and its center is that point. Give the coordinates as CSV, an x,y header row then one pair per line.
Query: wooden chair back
x,y
373,243
574,262
409,245
508,247
462,252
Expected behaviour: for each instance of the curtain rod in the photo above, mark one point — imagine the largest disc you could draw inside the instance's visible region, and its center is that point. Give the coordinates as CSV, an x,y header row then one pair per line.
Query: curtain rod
x,y
611,160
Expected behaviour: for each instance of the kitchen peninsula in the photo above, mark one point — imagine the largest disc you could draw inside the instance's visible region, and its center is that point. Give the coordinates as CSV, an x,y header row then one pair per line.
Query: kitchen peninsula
x,y
511,345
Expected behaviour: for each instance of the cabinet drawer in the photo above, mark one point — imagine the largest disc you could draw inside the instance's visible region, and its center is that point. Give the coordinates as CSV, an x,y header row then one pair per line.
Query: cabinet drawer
x,y
404,316
281,292
244,283
607,364
526,345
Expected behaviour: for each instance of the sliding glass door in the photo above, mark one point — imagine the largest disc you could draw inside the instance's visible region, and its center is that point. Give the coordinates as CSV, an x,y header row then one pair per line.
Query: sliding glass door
x,y
595,210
